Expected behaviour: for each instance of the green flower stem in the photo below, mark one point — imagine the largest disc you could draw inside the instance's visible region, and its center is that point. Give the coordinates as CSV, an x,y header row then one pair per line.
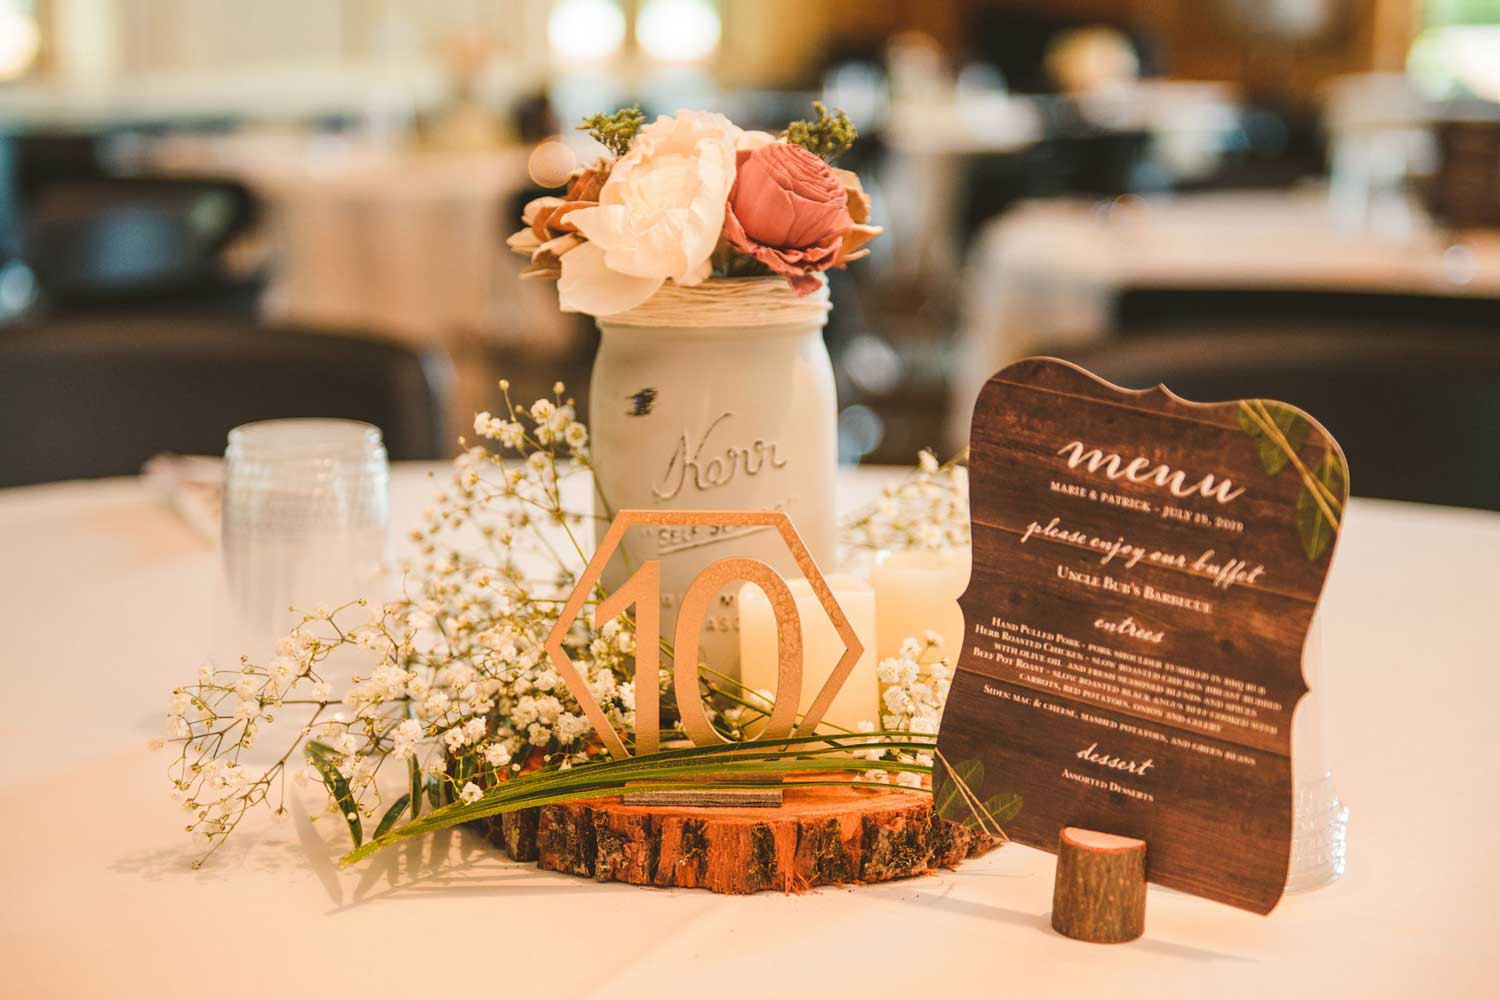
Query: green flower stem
x,y
769,758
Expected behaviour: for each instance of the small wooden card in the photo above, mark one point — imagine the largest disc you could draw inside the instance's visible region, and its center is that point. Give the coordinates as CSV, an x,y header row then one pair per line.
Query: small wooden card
x,y
1145,573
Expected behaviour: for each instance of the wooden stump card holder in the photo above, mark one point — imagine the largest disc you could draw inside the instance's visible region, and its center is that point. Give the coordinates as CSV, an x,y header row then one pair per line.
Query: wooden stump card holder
x,y
1100,890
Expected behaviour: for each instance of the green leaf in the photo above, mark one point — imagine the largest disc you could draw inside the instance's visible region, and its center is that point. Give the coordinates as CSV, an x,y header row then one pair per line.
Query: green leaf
x,y
1001,808
1273,457
321,758
391,816
462,770
435,793
949,802
1314,527
680,767
416,786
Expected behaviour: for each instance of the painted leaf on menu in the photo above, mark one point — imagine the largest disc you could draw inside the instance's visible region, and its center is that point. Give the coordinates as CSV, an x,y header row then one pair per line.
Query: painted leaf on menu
x,y
959,795
948,801
1284,420
1319,505
1145,572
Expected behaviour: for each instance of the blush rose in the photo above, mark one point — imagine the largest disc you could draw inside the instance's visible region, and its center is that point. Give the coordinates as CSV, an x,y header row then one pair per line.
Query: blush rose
x,y
789,210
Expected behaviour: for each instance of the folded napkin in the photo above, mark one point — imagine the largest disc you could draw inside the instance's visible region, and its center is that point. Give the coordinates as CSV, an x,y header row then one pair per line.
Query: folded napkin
x,y
193,485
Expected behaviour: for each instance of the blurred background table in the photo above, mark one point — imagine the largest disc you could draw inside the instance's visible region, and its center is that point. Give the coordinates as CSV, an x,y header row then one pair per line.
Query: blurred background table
x,y
1166,191
1384,326
118,592
377,236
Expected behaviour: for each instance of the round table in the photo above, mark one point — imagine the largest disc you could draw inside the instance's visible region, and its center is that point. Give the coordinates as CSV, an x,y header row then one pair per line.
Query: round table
x,y
106,595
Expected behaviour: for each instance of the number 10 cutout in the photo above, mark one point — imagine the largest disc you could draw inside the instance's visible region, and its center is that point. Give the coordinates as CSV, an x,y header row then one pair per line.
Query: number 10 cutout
x,y
643,591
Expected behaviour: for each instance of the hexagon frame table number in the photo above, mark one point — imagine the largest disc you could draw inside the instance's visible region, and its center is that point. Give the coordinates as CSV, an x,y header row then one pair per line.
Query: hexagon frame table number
x,y
642,590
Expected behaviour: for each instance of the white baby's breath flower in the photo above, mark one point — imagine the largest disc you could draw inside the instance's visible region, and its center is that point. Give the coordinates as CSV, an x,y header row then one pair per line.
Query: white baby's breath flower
x,y
471,793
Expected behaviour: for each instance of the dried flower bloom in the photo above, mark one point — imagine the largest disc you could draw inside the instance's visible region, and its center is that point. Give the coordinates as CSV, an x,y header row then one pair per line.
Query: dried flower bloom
x,y
549,234
787,210
659,215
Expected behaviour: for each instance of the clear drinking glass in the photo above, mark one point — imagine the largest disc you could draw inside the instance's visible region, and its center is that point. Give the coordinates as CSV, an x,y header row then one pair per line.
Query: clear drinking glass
x,y
306,522
1319,816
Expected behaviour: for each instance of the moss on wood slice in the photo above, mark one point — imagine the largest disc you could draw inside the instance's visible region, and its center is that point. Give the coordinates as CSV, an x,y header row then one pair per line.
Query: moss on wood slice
x,y
818,836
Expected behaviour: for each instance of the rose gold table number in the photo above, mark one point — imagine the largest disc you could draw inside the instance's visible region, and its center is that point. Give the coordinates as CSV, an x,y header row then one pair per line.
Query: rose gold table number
x,y
642,591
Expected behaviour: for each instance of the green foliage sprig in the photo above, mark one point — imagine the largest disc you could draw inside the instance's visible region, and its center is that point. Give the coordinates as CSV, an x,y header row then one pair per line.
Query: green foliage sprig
x,y
747,764
616,131
829,137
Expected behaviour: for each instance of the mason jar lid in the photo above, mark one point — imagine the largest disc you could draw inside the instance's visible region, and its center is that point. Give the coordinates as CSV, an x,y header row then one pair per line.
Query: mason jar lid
x,y
304,440
729,303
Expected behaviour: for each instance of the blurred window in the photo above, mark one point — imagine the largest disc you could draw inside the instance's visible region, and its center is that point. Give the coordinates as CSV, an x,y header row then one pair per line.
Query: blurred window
x,y
678,30
586,30
20,38
1457,53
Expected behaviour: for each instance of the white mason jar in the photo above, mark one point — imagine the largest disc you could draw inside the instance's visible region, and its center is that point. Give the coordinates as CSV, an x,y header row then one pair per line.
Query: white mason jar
x,y
718,396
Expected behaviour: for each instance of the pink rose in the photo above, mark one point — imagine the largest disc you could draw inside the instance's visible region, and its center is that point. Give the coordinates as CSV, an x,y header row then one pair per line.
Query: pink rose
x,y
788,210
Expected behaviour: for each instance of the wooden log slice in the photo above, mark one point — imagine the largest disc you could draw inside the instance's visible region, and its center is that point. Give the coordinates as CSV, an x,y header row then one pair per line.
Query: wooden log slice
x,y
1100,891
818,836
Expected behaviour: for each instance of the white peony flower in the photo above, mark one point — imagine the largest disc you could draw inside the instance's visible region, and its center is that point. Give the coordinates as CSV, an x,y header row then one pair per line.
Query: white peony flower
x,y
659,215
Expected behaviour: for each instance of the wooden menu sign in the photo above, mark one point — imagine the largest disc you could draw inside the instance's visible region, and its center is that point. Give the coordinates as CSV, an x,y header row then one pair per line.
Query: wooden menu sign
x,y
1145,573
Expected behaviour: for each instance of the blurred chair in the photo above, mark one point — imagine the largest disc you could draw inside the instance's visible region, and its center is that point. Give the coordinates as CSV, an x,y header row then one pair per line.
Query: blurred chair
x,y
122,242
1416,411
88,398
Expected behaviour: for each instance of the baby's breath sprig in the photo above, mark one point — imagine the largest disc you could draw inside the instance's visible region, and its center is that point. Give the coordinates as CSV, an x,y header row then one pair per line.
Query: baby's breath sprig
x,y
927,510
914,690
460,693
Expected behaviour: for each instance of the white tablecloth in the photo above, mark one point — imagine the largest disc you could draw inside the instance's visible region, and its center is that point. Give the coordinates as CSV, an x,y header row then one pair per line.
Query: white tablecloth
x,y
106,594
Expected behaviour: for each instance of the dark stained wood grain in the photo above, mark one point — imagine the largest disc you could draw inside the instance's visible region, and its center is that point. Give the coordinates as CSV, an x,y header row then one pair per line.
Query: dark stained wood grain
x,y
1183,742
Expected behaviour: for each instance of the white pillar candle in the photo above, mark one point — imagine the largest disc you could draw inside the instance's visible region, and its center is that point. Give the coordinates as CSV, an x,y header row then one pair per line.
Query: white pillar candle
x,y
916,592
859,699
